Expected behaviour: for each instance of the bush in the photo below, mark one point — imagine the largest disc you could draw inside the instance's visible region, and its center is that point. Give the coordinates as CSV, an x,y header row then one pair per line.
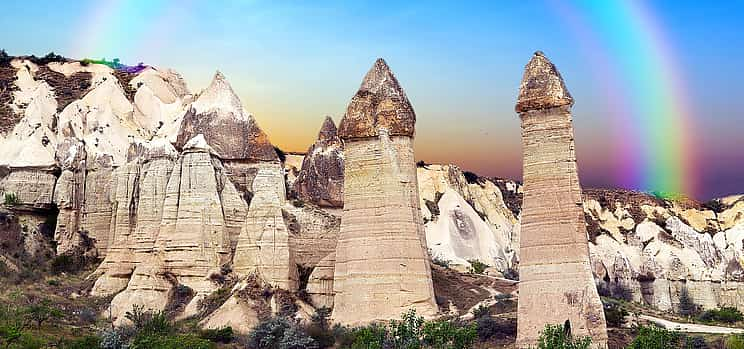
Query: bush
x,y
86,342
511,274
41,312
4,59
65,263
723,314
279,333
162,341
655,338
446,334
471,177
559,337
11,199
148,322
113,339
696,342
735,342
477,267
373,336
220,335
615,314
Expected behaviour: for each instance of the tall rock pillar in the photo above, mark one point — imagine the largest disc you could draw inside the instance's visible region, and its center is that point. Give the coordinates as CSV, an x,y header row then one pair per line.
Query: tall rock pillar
x,y
382,267
556,281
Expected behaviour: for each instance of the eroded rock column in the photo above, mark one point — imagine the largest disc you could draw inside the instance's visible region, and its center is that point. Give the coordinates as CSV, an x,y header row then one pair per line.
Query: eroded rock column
x,y
555,276
382,268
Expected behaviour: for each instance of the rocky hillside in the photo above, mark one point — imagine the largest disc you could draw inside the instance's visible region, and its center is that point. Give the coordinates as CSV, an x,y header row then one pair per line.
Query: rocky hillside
x,y
181,200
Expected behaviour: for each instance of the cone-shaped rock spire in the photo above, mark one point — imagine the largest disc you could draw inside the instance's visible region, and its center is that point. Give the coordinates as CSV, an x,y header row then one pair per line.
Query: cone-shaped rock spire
x,y
542,86
321,179
227,127
382,267
328,131
379,103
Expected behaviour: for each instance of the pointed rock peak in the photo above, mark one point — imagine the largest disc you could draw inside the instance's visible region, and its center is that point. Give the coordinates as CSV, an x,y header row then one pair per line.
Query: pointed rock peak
x,y
542,86
380,79
380,103
220,96
328,130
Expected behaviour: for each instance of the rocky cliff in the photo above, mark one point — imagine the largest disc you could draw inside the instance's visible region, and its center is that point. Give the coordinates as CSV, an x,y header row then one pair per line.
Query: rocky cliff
x,y
129,169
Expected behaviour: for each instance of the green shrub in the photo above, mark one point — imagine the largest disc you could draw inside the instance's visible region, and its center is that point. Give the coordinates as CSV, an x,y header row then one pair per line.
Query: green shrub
x,y
65,263
220,335
559,337
614,314
373,336
477,267
447,334
279,333
86,342
41,312
723,314
164,341
735,342
11,199
148,322
650,337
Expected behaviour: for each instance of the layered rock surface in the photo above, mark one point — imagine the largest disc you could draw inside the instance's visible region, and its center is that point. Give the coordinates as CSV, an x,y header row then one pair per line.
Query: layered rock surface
x,y
321,177
97,144
382,267
556,283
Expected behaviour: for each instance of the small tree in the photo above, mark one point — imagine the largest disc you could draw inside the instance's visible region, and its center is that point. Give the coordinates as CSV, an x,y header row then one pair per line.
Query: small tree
x,y
41,312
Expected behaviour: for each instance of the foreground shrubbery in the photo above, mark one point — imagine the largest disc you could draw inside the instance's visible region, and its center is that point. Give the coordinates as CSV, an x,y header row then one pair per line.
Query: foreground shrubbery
x,y
411,332
724,314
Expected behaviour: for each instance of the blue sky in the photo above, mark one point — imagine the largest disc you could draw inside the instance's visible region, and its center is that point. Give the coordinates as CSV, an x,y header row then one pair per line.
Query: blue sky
x,y
292,62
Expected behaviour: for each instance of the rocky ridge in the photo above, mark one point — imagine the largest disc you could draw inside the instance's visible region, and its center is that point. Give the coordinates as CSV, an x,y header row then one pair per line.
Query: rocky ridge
x,y
126,188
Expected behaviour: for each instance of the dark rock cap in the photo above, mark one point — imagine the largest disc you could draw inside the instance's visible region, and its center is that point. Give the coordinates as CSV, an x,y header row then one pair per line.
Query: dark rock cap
x,y
379,103
328,130
542,86
232,132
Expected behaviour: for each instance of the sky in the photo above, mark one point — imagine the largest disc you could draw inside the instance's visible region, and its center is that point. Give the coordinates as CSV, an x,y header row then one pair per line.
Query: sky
x,y
658,104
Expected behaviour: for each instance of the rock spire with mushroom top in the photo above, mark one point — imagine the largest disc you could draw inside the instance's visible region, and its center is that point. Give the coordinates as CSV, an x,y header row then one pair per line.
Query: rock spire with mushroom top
x,y
556,283
382,265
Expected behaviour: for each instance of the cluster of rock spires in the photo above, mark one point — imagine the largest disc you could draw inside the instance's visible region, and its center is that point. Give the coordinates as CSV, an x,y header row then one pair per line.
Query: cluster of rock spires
x,y
178,192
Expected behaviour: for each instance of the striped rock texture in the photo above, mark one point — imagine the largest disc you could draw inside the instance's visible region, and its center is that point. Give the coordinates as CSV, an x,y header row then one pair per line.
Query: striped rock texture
x,y
556,282
382,267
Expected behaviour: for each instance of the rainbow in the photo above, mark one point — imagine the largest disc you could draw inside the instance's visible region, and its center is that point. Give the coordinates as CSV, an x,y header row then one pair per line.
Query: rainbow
x,y
644,91
127,28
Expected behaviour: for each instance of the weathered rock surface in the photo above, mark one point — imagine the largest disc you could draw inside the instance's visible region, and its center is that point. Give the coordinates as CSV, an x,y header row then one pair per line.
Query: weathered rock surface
x,y
228,128
380,103
382,267
321,178
556,281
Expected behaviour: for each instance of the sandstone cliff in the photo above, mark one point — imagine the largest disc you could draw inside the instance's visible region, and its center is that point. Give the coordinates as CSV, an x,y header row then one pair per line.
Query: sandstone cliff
x,y
90,162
